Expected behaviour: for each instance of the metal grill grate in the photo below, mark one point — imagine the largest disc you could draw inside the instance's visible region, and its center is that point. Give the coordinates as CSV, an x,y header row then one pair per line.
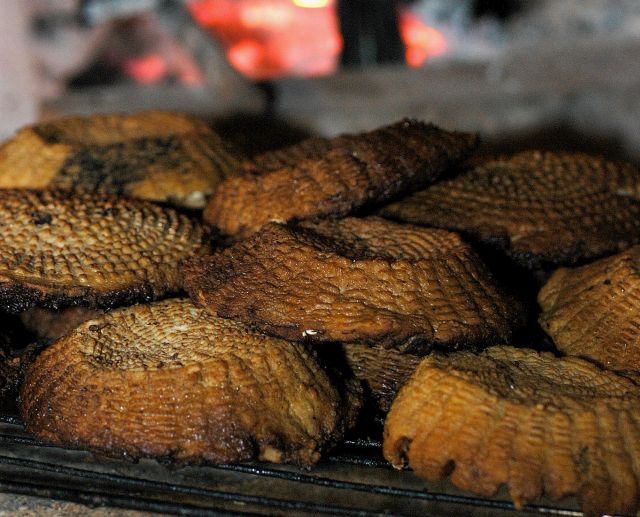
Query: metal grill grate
x,y
354,480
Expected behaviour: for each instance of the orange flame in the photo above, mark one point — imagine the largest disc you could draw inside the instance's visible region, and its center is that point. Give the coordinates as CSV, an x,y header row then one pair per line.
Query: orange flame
x,y
271,38
147,69
422,42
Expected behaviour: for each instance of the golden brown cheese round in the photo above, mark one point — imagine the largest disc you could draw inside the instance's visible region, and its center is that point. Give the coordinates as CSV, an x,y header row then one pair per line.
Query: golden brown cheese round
x,y
356,280
593,311
540,208
342,175
531,421
59,248
170,380
156,156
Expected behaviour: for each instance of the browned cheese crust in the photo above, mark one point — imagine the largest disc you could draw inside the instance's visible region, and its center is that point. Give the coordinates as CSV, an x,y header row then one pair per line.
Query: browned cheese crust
x,y
540,208
593,311
50,324
527,420
156,156
59,248
170,380
344,174
309,149
382,370
356,280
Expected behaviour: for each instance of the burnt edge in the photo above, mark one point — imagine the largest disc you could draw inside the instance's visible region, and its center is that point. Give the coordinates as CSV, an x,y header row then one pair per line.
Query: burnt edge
x,y
16,297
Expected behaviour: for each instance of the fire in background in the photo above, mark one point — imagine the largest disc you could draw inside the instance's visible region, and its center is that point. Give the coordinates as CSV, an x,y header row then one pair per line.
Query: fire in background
x,y
265,39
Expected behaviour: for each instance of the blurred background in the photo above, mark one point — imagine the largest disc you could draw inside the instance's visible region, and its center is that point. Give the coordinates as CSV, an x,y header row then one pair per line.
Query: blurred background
x,y
524,73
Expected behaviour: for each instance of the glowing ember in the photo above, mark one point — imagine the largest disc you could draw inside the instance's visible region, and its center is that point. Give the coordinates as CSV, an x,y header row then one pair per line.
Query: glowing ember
x,y
245,56
147,69
265,39
421,41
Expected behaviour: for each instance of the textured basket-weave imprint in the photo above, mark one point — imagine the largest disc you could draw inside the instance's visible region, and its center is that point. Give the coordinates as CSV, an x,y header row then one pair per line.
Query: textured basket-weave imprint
x,y
542,209
531,421
170,380
357,280
59,248
321,178
593,311
383,371
157,156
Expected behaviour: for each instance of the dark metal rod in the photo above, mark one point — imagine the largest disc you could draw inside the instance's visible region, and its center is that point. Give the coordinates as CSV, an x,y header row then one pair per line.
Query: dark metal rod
x,y
259,470
89,498
168,487
285,475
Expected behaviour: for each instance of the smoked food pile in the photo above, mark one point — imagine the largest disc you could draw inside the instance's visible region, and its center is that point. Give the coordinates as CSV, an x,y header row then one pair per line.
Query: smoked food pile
x,y
395,272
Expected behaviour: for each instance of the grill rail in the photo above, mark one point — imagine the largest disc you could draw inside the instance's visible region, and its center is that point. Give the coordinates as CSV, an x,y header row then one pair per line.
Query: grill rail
x,y
353,481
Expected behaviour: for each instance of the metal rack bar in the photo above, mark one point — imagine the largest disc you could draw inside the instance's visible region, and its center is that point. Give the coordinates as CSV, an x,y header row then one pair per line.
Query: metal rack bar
x,y
30,467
